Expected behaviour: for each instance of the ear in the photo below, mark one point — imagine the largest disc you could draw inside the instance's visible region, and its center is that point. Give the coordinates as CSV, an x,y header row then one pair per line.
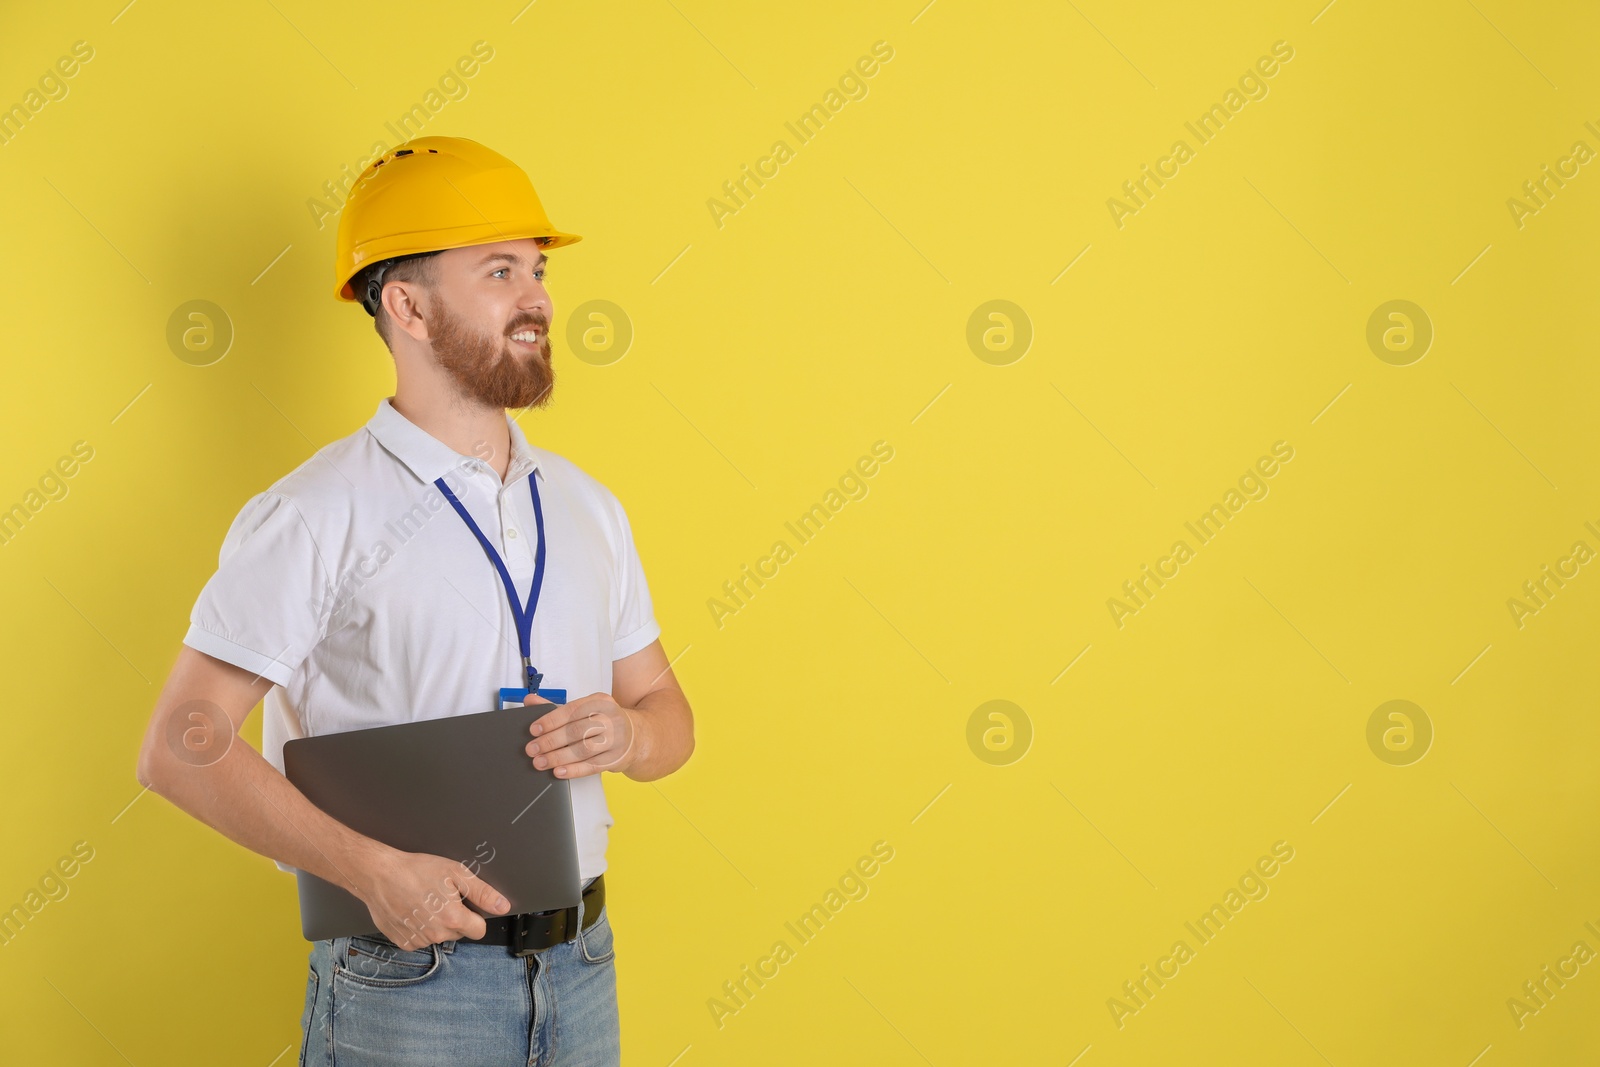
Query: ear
x,y
404,302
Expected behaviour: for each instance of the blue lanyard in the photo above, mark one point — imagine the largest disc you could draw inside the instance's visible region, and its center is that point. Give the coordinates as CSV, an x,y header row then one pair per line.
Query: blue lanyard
x,y
522,615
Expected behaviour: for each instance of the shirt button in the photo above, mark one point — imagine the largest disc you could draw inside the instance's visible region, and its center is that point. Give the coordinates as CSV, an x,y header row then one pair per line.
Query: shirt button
x,y
511,533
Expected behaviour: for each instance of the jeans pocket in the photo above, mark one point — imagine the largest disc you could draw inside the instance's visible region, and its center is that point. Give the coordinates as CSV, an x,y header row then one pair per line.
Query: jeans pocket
x,y
372,962
595,944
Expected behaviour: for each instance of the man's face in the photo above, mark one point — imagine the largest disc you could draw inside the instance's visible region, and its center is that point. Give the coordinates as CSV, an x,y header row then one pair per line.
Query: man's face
x,y
490,323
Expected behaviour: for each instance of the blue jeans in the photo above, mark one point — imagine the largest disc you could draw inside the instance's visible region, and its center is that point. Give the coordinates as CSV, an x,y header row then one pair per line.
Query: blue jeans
x,y
458,1002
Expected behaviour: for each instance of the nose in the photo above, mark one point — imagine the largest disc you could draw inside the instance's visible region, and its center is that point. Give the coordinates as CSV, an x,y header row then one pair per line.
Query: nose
x,y
534,298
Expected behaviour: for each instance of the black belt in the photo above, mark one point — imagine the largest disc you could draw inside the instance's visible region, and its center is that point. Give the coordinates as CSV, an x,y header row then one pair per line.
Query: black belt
x,y
532,931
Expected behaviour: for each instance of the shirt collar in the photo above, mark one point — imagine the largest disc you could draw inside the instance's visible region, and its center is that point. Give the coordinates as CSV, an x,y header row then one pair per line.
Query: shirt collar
x,y
523,459
430,458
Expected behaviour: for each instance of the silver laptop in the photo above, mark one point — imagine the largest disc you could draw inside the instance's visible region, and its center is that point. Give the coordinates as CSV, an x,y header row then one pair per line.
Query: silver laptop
x,y
461,787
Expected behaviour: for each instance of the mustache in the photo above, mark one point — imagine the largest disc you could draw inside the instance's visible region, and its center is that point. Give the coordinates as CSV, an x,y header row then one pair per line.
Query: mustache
x,y
538,322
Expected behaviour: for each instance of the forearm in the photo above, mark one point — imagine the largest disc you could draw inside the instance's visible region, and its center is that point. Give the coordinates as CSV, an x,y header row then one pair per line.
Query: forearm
x,y
663,732
246,799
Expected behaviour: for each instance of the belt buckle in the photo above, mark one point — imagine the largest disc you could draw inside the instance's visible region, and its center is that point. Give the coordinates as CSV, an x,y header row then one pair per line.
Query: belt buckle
x,y
548,927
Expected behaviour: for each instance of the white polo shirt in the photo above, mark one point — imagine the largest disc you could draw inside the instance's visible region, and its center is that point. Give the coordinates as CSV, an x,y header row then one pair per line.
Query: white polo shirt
x,y
353,585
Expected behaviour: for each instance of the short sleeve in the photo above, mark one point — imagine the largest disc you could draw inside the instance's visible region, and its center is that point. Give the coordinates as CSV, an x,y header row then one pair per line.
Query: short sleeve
x,y
264,608
633,616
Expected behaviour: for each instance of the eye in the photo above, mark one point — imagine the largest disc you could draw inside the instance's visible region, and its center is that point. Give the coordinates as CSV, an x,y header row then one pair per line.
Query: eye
x,y
541,272
502,270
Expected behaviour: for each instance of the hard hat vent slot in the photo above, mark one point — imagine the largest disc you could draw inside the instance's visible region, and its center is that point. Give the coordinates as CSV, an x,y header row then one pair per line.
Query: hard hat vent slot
x,y
404,152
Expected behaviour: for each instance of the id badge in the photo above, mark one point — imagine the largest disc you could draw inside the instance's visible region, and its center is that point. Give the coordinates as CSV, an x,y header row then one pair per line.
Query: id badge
x,y
512,698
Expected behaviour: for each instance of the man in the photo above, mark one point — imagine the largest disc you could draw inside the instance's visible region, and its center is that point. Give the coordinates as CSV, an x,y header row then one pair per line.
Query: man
x,y
374,585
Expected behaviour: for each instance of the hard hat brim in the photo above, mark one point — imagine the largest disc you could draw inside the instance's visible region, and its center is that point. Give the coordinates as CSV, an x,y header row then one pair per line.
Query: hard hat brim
x,y
435,241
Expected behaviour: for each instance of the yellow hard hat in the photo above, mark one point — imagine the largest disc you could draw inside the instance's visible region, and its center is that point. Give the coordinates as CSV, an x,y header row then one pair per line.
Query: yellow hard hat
x,y
434,193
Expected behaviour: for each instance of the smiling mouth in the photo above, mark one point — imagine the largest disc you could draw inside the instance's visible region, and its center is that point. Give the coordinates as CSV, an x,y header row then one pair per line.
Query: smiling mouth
x,y
529,338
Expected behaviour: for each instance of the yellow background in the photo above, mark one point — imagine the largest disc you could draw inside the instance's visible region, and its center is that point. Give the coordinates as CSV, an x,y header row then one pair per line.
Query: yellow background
x,y
1228,314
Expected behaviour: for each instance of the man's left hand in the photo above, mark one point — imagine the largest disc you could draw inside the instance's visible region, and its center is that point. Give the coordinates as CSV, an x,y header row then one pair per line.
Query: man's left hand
x,y
586,736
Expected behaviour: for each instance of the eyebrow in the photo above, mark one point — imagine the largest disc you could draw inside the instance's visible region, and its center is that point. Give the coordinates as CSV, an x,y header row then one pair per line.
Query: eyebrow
x,y
510,257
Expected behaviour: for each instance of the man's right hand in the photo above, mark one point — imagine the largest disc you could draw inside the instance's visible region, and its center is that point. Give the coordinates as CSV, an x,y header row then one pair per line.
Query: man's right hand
x,y
417,899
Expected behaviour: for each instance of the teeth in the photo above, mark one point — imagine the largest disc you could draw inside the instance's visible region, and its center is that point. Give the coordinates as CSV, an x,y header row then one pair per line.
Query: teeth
x,y
530,336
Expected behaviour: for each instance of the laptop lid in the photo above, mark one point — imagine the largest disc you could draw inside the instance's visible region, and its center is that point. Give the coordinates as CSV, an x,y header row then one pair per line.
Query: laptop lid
x,y
461,787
